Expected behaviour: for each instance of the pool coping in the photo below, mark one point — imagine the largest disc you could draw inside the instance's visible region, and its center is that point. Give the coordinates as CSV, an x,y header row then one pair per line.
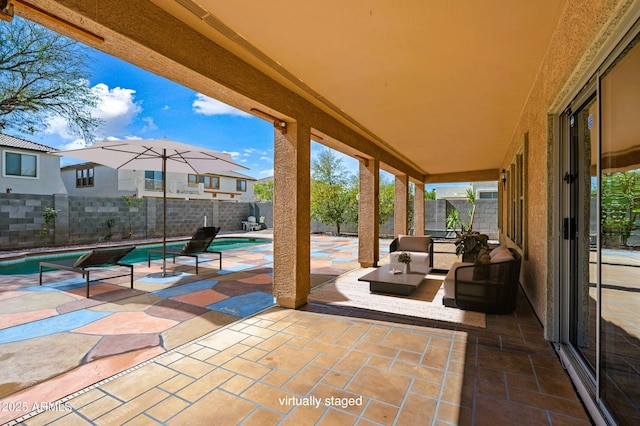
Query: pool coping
x,y
14,254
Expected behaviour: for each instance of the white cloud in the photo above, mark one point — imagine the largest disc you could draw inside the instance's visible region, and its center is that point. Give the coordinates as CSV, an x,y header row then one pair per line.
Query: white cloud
x,y
265,158
208,106
150,124
75,144
116,108
58,126
266,173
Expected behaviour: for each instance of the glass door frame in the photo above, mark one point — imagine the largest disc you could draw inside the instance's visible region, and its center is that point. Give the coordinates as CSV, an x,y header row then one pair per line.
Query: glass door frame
x,y
587,385
567,191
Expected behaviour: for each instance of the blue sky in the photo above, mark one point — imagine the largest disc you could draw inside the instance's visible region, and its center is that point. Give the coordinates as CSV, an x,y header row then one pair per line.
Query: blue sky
x,y
138,104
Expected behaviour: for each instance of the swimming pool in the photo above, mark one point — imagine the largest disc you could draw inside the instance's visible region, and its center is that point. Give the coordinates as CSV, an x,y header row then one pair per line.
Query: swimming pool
x,y
30,264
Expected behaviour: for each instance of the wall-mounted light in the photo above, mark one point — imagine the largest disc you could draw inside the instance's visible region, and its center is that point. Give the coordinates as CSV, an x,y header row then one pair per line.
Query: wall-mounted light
x,y
277,123
6,10
503,178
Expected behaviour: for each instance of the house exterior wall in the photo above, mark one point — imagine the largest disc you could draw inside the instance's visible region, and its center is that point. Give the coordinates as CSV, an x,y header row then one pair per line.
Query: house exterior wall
x,y
105,183
48,179
580,33
109,182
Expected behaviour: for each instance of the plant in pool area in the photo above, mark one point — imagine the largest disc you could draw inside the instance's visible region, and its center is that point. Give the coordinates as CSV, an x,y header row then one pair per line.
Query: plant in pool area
x,y
404,257
49,215
110,223
132,201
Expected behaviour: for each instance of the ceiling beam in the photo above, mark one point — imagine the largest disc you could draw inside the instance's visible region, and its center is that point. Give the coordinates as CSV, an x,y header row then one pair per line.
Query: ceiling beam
x,y
470,176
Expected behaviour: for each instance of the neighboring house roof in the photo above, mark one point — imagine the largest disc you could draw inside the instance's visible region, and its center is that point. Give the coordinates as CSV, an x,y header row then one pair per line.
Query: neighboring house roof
x,y
234,174
76,165
14,142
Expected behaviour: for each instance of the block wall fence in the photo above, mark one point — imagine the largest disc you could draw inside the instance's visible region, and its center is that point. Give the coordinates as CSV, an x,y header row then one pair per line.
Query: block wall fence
x,y
85,220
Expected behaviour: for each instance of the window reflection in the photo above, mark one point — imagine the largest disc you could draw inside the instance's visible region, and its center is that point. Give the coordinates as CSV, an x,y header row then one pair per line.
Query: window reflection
x,y
620,238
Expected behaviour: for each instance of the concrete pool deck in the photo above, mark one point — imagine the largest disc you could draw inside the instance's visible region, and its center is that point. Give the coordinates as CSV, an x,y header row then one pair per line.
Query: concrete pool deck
x,y
54,341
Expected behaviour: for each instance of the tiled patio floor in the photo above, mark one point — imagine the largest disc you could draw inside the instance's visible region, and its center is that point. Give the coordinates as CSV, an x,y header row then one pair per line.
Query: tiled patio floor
x,y
328,365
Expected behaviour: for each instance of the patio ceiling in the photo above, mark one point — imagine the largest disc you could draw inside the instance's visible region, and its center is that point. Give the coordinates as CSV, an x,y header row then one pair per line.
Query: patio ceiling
x,y
430,80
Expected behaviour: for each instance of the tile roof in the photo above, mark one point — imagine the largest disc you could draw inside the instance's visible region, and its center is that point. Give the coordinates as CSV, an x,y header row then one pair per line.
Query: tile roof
x,y
14,142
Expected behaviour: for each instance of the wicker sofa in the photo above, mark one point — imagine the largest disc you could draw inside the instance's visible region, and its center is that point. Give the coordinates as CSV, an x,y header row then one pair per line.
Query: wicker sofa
x,y
420,248
490,287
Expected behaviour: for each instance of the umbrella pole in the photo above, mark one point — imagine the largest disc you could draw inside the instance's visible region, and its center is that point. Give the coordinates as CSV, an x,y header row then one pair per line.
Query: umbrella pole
x,y
164,272
164,212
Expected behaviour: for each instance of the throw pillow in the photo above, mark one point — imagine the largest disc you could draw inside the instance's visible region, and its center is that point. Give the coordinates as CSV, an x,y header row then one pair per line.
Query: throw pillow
x,y
499,250
481,272
502,257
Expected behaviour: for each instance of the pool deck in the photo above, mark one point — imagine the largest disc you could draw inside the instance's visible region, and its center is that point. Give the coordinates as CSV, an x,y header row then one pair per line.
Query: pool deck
x,y
119,327
213,348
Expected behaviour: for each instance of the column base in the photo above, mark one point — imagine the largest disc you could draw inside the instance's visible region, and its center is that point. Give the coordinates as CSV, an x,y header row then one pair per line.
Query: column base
x,y
287,302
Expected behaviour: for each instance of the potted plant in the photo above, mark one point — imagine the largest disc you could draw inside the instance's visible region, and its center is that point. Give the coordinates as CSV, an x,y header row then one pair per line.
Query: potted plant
x,y
468,242
405,259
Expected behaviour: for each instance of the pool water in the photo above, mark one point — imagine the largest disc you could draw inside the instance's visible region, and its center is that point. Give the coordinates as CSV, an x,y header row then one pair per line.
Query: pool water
x,y
30,264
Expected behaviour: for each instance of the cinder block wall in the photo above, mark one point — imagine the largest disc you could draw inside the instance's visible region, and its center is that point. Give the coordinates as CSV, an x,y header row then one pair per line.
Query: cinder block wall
x,y
21,219
86,219
94,219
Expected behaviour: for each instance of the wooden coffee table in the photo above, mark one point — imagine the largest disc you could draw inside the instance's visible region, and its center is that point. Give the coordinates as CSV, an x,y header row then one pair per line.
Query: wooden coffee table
x,y
383,281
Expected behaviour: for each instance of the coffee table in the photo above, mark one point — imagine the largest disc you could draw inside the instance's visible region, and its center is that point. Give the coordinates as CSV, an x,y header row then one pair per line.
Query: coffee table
x,y
383,281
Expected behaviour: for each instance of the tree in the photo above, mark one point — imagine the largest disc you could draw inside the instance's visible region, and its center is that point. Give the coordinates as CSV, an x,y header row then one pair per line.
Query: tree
x,y
430,194
43,75
329,190
620,206
263,191
387,200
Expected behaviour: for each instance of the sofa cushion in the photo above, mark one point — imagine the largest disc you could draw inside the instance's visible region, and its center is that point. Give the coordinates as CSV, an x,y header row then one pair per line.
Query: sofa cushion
x,y
449,284
414,243
499,250
419,261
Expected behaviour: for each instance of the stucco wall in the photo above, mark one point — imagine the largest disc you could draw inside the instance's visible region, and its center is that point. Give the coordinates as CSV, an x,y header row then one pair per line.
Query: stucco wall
x,y
48,180
575,42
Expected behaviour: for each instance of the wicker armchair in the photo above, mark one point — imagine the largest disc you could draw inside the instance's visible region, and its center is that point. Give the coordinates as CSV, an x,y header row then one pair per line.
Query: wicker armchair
x,y
490,288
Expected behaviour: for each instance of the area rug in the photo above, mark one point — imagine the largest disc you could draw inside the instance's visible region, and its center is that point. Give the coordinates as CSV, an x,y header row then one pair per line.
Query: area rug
x,y
424,302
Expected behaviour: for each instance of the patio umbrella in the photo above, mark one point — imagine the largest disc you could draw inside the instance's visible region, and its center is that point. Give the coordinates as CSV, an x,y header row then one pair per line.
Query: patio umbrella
x,y
157,155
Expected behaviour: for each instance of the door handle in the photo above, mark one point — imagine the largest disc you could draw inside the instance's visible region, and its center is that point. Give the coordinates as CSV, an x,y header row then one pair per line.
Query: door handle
x,y
569,228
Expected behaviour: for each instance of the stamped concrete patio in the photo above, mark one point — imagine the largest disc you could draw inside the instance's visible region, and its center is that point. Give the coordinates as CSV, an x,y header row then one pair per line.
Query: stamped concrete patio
x,y
165,354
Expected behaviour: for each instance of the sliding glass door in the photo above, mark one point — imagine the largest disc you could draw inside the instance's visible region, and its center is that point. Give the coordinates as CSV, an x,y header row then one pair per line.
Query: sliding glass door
x,y
620,236
601,236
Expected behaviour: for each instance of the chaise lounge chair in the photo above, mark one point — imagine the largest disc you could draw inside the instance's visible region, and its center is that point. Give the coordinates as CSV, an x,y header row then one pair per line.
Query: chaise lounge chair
x,y
98,258
198,244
